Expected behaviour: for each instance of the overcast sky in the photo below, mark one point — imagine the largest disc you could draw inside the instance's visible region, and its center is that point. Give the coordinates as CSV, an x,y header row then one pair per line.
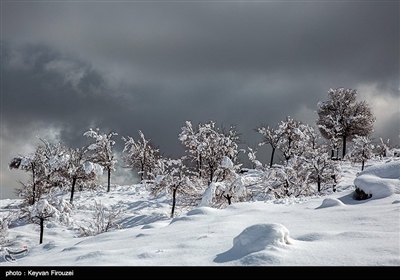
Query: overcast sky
x,y
125,66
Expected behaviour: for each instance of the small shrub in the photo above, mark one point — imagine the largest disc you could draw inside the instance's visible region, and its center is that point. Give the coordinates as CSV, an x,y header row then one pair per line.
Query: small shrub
x,y
104,220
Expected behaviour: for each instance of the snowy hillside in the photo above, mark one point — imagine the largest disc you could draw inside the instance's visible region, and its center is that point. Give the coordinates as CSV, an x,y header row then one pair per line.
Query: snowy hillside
x,y
333,229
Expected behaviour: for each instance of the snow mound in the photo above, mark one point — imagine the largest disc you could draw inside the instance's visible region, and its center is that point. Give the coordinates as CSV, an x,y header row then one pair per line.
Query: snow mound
x,y
259,236
390,170
329,202
256,238
201,211
380,180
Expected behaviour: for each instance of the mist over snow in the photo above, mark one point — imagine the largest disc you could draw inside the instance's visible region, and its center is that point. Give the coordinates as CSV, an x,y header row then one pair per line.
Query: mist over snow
x,y
329,229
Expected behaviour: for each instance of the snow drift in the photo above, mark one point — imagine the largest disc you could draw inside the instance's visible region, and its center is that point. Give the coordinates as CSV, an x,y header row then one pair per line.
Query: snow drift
x,y
255,238
331,229
381,180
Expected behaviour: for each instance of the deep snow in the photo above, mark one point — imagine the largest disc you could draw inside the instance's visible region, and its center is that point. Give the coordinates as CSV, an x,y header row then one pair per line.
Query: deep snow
x,y
333,229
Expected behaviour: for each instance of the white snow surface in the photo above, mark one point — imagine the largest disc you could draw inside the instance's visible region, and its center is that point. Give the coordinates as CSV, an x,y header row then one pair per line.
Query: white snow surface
x,y
331,229
381,180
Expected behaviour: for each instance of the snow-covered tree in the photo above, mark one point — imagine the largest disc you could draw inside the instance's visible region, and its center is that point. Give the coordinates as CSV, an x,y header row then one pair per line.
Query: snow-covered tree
x,y
50,208
307,161
227,171
30,192
292,137
30,163
315,158
230,188
102,152
290,179
141,155
220,194
190,141
341,117
323,170
174,181
5,222
362,150
41,163
207,145
78,169
382,148
271,137
252,155
54,166
335,144
236,191
230,143
42,210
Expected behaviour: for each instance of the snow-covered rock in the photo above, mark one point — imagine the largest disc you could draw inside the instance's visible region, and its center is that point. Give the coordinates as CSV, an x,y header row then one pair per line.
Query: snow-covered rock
x,y
381,180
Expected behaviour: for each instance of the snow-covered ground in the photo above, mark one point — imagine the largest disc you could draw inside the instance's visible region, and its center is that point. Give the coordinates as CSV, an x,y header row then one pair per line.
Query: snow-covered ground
x,y
327,230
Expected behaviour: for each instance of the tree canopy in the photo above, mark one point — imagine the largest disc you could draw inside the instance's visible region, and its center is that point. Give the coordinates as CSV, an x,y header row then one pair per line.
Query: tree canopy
x,y
341,117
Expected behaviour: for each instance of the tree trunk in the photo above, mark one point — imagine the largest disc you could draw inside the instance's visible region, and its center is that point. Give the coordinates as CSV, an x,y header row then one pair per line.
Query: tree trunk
x,y
363,160
272,157
199,166
72,190
228,197
344,146
287,187
33,194
33,185
334,182
41,230
319,183
109,178
142,173
173,202
211,172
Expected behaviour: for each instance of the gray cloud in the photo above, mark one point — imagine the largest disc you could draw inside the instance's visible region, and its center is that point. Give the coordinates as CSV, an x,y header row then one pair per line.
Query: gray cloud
x,y
125,66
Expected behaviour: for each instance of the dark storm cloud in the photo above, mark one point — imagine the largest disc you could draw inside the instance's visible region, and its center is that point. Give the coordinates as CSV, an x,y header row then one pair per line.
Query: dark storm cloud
x,y
202,38
41,84
125,66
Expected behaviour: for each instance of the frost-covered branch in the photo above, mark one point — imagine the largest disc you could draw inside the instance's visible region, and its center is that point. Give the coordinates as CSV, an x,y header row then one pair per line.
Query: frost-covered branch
x,y
103,220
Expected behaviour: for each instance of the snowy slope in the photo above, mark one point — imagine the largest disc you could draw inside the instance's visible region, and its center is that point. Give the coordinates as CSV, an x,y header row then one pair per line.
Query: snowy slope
x,y
328,230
